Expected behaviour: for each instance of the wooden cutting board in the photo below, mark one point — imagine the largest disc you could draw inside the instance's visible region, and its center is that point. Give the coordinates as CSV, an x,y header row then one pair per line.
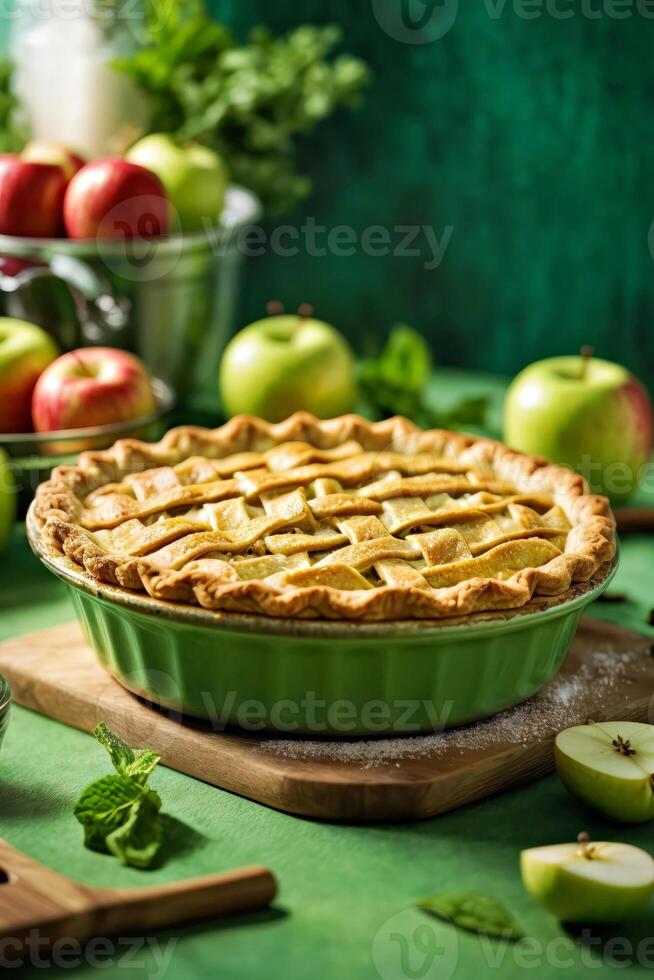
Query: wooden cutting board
x,y
609,674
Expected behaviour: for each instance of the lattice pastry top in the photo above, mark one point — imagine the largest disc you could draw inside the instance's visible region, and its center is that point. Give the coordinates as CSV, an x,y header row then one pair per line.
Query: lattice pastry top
x,y
339,519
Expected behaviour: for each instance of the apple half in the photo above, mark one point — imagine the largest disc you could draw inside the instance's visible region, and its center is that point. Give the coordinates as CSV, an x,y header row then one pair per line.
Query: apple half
x,y
584,882
610,767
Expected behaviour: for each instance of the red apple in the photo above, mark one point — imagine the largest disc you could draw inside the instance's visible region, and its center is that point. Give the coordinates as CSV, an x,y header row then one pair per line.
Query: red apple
x,y
46,151
31,197
12,267
91,386
112,198
25,351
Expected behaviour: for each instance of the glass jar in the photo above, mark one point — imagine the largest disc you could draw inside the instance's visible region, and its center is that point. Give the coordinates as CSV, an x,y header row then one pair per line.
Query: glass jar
x,y
69,92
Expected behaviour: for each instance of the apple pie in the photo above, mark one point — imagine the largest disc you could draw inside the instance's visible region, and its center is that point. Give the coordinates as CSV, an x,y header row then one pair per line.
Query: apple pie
x,y
337,519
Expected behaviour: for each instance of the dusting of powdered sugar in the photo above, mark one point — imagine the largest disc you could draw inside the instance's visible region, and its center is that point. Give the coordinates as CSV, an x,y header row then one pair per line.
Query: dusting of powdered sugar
x,y
563,703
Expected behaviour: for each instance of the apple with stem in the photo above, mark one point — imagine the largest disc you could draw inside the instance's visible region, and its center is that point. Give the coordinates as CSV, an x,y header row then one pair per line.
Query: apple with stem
x,y
286,363
585,413
25,351
194,176
91,386
589,882
610,767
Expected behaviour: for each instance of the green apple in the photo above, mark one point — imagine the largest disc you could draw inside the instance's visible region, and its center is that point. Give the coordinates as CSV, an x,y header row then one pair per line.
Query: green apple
x,y
194,177
25,352
7,499
610,767
584,882
282,364
585,413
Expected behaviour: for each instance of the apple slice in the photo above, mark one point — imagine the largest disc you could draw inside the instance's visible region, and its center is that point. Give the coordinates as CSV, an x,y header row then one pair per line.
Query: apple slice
x,y
610,767
584,882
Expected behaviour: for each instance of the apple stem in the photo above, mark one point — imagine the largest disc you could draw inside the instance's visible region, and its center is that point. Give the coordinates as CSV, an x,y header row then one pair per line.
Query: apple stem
x,y
274,307
81,365
587,849
585,353
304,310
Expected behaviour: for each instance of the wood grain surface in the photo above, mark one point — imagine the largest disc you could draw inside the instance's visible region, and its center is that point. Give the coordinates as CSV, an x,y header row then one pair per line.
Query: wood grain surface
x,y
636,519
54,672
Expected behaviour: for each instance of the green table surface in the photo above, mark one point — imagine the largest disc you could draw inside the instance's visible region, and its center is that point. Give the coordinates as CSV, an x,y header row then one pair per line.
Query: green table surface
x,y
344,908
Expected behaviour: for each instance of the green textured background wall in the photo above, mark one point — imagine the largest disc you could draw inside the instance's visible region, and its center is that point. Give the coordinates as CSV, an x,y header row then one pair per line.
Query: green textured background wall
x,y
531,137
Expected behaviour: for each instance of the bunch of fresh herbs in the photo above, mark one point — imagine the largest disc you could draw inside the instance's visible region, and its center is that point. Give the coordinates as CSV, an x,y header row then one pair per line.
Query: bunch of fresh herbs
x,y
12,135
248,102
394,382
120,813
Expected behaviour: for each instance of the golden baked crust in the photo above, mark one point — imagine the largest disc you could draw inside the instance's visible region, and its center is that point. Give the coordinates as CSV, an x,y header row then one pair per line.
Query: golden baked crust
x,y
335,519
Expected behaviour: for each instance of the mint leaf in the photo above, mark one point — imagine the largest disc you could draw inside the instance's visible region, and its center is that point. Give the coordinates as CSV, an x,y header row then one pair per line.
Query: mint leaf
x,y
145,762
406,359
474,912
137,764
122,755
119,813
395,383
138,840
104,806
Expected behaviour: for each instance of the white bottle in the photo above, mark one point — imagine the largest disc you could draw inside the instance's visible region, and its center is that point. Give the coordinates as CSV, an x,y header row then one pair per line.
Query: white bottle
x,y
68,90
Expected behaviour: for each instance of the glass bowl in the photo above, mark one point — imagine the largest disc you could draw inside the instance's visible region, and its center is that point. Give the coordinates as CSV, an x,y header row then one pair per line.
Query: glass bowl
x,y
5,704
32,455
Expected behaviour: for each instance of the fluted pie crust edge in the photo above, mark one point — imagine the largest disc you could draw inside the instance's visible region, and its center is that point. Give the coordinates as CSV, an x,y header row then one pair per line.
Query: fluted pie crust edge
x,y
590,542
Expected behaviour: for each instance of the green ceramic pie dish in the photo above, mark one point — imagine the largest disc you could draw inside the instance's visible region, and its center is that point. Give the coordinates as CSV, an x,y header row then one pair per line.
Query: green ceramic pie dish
x,y
5,706
323,677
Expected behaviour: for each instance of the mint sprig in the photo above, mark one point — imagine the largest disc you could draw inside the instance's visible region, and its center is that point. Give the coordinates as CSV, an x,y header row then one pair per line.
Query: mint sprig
x,y
138,840
248,101
120,814
394,382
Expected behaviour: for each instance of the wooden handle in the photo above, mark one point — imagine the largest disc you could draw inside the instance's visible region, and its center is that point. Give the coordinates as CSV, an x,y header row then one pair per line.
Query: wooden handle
x,y
184,901
635,519
33,897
